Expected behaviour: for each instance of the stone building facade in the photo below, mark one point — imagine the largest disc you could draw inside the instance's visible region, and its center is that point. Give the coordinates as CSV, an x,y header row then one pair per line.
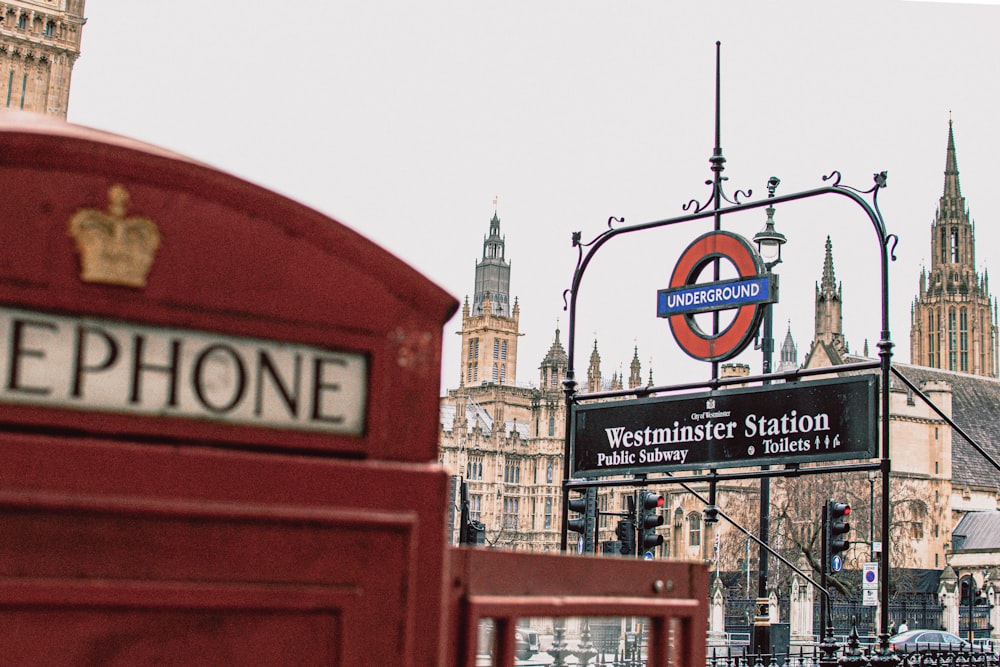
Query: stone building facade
x,y
39,44
507,439
503,437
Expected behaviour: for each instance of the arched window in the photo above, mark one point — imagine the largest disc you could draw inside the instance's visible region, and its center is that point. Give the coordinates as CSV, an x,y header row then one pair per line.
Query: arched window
x,y
937,338
552,426
503,373
496,373
944,246
954,245
952,341
548,473
22,21
50,29
930,338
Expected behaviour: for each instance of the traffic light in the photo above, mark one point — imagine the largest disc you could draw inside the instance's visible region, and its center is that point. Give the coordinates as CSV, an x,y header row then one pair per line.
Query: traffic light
x,y
648,520
625,531
711,514
470,531
586,523
475,532
839,526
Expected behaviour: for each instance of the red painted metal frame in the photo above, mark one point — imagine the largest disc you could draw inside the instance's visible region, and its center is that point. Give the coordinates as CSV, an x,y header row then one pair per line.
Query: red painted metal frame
x,y
506,586
142,548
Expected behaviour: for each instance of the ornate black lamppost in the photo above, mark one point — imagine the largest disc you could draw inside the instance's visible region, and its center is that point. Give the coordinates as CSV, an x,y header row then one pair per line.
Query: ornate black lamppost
x,y
769,242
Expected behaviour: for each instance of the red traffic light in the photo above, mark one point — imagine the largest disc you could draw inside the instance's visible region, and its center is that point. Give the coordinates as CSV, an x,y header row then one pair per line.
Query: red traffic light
x,y
838,510
649,500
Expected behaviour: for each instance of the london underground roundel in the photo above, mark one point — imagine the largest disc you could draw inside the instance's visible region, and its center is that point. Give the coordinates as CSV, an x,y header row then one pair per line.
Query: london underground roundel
x,y
747,295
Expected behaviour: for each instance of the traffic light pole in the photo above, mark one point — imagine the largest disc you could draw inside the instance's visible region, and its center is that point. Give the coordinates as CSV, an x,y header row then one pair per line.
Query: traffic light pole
x,y
827,647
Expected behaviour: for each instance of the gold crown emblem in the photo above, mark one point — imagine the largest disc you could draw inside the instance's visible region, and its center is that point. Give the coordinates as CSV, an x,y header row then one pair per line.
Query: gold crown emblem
x,y
114,249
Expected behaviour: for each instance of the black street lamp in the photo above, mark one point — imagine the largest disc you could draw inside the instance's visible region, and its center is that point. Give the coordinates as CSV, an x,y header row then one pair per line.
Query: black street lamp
x,y
769,242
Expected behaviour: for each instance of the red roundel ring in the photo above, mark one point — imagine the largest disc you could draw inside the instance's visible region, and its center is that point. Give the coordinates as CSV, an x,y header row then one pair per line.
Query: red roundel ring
x,y
733,339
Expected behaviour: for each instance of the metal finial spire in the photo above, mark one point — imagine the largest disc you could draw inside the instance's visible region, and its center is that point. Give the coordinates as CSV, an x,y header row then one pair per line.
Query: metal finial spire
x,y
717,160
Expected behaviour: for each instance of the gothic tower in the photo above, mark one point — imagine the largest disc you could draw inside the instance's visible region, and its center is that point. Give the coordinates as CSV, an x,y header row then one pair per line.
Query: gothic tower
x,y
594,372
554,365
828,347
39,44
953,318
490,327
829,305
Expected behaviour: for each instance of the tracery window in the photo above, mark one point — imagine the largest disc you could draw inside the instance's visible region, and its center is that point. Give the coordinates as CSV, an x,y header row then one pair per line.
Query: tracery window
x,y
512,472
510,507
952,340
474,468
475,507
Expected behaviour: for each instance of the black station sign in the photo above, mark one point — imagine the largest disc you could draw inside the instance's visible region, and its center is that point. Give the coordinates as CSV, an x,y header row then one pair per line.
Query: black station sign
x,y
801,422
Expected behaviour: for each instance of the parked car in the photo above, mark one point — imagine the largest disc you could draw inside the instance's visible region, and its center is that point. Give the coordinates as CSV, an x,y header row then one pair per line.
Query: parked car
x,y
525,643
929,643
925,639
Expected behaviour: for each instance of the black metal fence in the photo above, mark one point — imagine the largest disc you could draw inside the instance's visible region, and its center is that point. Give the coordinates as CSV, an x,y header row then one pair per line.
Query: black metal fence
x,y
919,610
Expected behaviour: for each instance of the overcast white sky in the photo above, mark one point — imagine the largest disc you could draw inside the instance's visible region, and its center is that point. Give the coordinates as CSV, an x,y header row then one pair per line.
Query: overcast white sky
x,y
404,120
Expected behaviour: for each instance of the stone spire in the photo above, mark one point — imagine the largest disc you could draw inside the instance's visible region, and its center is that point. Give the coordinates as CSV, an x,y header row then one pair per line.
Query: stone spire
x,y
635,376
594,371
616,380
789,352
952,189
554,365
828,283
829,305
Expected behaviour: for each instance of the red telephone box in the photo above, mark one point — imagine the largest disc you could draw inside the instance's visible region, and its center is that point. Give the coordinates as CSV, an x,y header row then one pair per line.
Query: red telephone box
x,y
218,435
217,412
